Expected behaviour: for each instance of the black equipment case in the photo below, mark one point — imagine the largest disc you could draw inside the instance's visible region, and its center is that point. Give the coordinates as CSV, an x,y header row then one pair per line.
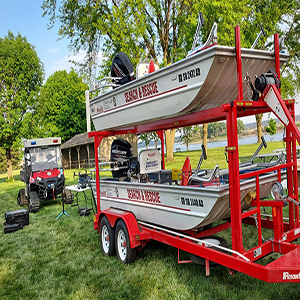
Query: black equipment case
x,y
17,217
12,227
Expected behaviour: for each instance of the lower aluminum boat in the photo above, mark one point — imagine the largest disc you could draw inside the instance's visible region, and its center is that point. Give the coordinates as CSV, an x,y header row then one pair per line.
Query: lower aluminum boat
x,y
177,207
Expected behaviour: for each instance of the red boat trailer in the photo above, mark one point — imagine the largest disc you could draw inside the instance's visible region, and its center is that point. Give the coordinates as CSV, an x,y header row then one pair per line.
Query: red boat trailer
x,y
284,269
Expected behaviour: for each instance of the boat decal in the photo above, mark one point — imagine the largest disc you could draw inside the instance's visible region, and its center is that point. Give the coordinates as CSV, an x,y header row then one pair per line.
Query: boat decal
x,y
112,192
191,202
189,74
147,196
101,110
145,90
102,193
144,202
288,276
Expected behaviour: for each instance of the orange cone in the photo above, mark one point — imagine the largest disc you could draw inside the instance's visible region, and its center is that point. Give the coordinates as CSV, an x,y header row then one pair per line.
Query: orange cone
x,y
151,67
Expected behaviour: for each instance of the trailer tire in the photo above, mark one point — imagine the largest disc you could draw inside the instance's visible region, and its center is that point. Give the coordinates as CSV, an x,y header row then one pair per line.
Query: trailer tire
x,y
214,240
125,254
107,237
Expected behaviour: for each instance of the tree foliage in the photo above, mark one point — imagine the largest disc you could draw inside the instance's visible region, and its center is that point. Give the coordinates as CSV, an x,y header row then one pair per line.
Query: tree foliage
x,y
21,75
164,30
240,126
146,138
62,106
186,134
216,129
271,128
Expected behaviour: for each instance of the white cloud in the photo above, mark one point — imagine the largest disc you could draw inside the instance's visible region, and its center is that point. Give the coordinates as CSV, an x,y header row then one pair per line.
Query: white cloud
x,y
65,63
53,50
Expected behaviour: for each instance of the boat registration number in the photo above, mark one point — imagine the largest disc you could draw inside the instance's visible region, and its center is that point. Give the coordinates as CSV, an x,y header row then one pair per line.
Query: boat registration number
x,y
189,74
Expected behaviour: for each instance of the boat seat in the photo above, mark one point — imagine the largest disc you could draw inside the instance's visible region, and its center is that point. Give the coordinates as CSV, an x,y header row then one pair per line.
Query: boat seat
x,y
186,172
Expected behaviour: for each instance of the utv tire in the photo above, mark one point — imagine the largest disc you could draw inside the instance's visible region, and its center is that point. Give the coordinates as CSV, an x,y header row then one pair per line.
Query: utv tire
x,y
22,200
67,196
125,254
107,237
34,202
218,241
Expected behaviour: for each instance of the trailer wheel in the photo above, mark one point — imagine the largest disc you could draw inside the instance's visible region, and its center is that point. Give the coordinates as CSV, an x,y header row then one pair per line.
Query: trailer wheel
x,y
107,237
218,241
125,254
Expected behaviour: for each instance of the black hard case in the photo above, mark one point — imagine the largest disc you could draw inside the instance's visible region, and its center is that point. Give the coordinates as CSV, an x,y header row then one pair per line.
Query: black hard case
x,y
17,216
12,227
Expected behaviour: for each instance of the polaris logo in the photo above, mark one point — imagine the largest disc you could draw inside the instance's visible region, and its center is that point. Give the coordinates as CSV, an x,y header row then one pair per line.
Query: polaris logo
x,y
120,152
288,276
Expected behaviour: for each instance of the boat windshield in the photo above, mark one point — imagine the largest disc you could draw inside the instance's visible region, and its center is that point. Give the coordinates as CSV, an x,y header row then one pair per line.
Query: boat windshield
x,y
45,158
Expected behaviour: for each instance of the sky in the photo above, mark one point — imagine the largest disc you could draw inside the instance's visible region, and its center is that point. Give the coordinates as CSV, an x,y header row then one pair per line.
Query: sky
x,y
25,17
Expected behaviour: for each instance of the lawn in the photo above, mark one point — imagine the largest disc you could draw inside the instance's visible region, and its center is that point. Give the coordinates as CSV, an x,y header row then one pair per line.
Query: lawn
x,y
61,258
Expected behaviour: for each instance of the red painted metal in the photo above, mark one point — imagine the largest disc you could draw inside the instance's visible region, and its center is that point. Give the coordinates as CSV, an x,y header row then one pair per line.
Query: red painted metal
x,y
277,50
238,50
234,181
160,134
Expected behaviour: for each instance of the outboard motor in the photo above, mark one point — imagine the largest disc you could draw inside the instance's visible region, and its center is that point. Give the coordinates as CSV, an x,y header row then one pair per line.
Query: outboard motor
x,y
122,69
121,151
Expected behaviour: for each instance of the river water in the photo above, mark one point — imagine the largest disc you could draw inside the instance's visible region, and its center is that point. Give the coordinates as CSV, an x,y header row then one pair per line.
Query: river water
x,y
222,143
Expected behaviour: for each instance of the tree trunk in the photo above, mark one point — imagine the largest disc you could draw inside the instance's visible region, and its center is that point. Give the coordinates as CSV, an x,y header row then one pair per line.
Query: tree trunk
x,y
170,137
258,127
9,165
205,126
187,145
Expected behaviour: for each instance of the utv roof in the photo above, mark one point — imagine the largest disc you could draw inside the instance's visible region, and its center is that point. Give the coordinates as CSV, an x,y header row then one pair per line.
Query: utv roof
x,y
51,141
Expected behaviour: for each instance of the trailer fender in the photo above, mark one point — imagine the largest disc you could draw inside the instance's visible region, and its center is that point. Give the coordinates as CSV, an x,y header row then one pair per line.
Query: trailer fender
x,y
136,236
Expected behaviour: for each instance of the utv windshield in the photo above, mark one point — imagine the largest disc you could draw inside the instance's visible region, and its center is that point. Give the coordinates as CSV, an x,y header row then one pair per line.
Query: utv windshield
x,y
45,158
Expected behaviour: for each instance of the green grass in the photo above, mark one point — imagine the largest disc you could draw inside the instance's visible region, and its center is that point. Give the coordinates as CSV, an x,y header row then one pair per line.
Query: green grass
x,y
61,259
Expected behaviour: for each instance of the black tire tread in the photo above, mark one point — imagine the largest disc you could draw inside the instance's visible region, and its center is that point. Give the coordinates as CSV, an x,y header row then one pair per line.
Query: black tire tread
x,y
34,202
111,232
131,252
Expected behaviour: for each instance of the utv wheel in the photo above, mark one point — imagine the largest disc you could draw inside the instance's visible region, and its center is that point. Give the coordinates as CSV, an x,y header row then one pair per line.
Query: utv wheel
x,y
107,237
218,241
124,252
34,202
22,200
67,196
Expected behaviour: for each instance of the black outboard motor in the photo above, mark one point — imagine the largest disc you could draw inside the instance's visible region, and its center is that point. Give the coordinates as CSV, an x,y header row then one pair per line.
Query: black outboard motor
x,y
122,67
120,151
264,79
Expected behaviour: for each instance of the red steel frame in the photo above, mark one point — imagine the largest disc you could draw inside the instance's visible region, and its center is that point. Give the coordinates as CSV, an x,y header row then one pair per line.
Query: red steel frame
x,y
284,269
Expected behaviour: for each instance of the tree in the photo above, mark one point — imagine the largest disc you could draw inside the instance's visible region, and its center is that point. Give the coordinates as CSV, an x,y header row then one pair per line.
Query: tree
x,y
21,75
240,126
216,129
62,105
163,30
170,138
271,129
146,138
258,127
186,134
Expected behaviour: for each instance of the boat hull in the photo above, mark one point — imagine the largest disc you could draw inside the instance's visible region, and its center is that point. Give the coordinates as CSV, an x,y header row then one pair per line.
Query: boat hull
x,y
176,207
205,80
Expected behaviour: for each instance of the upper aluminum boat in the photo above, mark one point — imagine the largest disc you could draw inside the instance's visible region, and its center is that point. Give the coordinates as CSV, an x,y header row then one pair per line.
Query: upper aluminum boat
x,y
205,79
